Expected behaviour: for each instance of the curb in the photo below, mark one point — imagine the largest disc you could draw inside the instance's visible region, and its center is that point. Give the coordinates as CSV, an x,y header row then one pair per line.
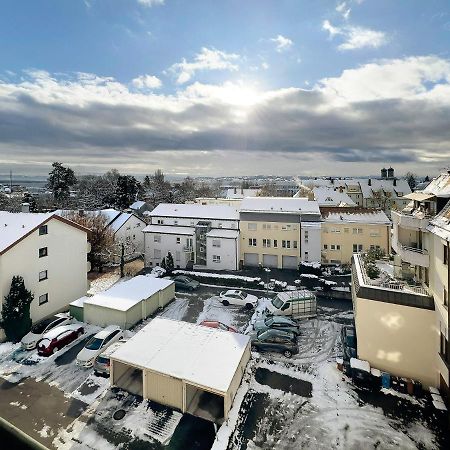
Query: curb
x,y
19,434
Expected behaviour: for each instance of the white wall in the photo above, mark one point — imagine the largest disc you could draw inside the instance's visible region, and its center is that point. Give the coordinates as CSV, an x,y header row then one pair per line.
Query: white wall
x,y
312,244
130,233
168,243
228,252
66,264
187,222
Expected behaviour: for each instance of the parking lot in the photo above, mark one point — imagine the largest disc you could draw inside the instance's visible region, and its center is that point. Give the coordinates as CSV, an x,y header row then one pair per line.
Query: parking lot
x,y
301,402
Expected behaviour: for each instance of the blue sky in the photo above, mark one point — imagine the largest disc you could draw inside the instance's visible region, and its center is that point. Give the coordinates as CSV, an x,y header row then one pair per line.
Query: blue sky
x,y
141,84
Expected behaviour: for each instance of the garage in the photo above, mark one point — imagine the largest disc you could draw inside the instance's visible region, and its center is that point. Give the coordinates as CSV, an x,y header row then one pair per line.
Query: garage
x,y
270,261
251,259
188,367
128,302
290,262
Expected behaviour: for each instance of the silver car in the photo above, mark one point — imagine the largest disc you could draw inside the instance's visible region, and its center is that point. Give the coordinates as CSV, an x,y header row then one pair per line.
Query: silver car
x,y
102,362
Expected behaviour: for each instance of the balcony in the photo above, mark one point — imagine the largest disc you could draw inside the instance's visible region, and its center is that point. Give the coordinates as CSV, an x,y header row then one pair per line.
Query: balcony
x,y
414,256
388,289
411,220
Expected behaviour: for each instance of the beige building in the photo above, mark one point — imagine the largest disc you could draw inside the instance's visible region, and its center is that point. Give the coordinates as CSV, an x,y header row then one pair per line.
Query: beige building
x,y
348,230
50,253
279,232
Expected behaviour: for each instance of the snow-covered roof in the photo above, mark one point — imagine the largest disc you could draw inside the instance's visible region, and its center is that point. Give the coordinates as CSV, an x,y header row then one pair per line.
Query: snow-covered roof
x,y
440,225
280,205
119,221
14,226
221,233
204,356
326,196
439,186
168,229
311,224
110,214
354,215
123,296
195,211
79,302
238,193
137,204
359,364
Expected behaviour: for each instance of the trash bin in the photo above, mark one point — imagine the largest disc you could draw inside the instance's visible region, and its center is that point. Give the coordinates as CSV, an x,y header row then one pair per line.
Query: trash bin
x,y
394,382
402,385
418,391
376,378
386,380
410,387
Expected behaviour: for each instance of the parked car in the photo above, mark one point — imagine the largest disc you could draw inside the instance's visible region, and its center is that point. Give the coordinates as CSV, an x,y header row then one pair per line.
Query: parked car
x,y
239,298
102,363
348,338
30,340
97,344
275,341
58,337
217,324
183,282
277,323
301,303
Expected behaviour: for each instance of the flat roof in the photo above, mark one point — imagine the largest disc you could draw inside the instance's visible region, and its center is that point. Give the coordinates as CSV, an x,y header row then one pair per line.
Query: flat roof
x,y
195,211
290,205
221,233
123,296
199,355
168,229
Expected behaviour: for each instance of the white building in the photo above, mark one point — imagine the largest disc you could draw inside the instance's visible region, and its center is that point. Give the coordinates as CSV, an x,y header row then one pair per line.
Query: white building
x,y
327,196
203,236
50,253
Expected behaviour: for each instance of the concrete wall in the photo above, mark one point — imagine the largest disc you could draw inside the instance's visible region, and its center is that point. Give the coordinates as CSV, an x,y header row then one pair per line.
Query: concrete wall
x,y
397,339
311,238
228,252
166,295
66,264
168,242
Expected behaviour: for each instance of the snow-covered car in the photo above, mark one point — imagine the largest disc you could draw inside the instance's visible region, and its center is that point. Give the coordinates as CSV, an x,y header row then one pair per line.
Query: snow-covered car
x,y
239,298
102,363
58,337
277,323
185,283
97,344
30,340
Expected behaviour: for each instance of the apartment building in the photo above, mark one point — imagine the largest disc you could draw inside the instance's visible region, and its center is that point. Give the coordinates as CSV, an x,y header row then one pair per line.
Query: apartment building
x,y
198,236
347,230
327,196
50,253
279,232
402,322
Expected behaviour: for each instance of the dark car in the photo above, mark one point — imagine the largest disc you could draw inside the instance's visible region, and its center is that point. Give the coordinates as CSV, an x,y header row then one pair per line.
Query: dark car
x,y
58,337
348,338
282,323
217,324
275,341
183,282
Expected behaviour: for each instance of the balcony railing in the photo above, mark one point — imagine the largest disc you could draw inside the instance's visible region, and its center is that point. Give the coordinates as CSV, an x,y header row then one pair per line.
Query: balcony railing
x,y
413,219
414,256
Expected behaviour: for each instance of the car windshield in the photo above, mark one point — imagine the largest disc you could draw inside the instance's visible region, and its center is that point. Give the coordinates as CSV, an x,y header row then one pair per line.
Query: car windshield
x,y
102,359
41,326
44,343
94,344
269,321
277,302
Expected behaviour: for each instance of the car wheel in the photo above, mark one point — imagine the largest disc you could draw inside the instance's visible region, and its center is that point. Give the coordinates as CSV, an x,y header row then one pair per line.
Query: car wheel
x,y
191,288
225,302
249,306
254,348
287,353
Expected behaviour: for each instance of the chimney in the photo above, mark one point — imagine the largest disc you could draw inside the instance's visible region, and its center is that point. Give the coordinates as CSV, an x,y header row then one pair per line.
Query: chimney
x,y
383,173
25,207
390,172
395,182
369,183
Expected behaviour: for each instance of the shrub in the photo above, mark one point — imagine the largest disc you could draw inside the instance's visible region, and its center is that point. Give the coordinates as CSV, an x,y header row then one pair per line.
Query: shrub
x,y
372,270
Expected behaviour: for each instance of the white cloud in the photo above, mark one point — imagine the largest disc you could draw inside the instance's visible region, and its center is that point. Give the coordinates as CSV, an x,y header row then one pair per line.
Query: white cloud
x,y
207,59
282,43
150,3
146,82
355,37
343,9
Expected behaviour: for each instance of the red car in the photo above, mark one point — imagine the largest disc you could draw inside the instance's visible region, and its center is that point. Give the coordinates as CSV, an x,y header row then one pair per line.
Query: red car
x,y
57,338
219,325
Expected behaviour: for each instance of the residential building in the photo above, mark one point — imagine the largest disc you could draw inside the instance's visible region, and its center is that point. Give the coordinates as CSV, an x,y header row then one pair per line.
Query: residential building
x,y
402,323
326,196
279,232
347,230
139,207
50,253
200,236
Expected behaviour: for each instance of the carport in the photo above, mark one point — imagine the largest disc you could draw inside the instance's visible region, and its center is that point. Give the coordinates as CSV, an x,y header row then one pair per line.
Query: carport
x,y
188,367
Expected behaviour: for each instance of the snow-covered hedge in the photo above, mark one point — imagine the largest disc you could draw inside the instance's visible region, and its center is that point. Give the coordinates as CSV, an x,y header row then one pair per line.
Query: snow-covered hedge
x,y
223,279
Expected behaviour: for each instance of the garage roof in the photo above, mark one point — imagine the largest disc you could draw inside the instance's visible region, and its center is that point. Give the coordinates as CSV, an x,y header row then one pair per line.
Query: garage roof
x,y
200,355
123,296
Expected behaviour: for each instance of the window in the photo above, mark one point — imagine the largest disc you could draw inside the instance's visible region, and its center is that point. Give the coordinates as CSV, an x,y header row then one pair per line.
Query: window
x,y
178,240
43,275
357,231
346,230
43,229
357,248
325,246
175,222
333,247
177,256
219,225
43,299
275,243
160,221
444,347
251,226
286,244
156,238
306,234
43,252
306,256
216,243
252,242
445,255
267,226
216,258
338,247
266,243
295,244
445,298
335,230
157,253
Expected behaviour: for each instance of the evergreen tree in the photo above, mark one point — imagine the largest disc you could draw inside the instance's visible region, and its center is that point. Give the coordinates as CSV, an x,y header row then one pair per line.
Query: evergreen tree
x,y
163,264
16,310
127,190
169,263
60,179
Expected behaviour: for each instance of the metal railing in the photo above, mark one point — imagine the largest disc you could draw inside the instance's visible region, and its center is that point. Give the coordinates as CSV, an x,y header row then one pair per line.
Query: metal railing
x,y
422,251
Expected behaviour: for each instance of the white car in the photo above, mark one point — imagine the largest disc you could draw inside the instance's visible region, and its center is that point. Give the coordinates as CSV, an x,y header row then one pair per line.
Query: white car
x,y
30,340
97,344
239,298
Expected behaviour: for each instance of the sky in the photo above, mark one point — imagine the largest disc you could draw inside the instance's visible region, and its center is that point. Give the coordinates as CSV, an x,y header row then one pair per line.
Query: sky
x,y
230,87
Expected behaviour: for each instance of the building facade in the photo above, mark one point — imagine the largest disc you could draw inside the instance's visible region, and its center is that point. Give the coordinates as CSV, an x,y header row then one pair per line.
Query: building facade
x,y
279,232
50,253
197,236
